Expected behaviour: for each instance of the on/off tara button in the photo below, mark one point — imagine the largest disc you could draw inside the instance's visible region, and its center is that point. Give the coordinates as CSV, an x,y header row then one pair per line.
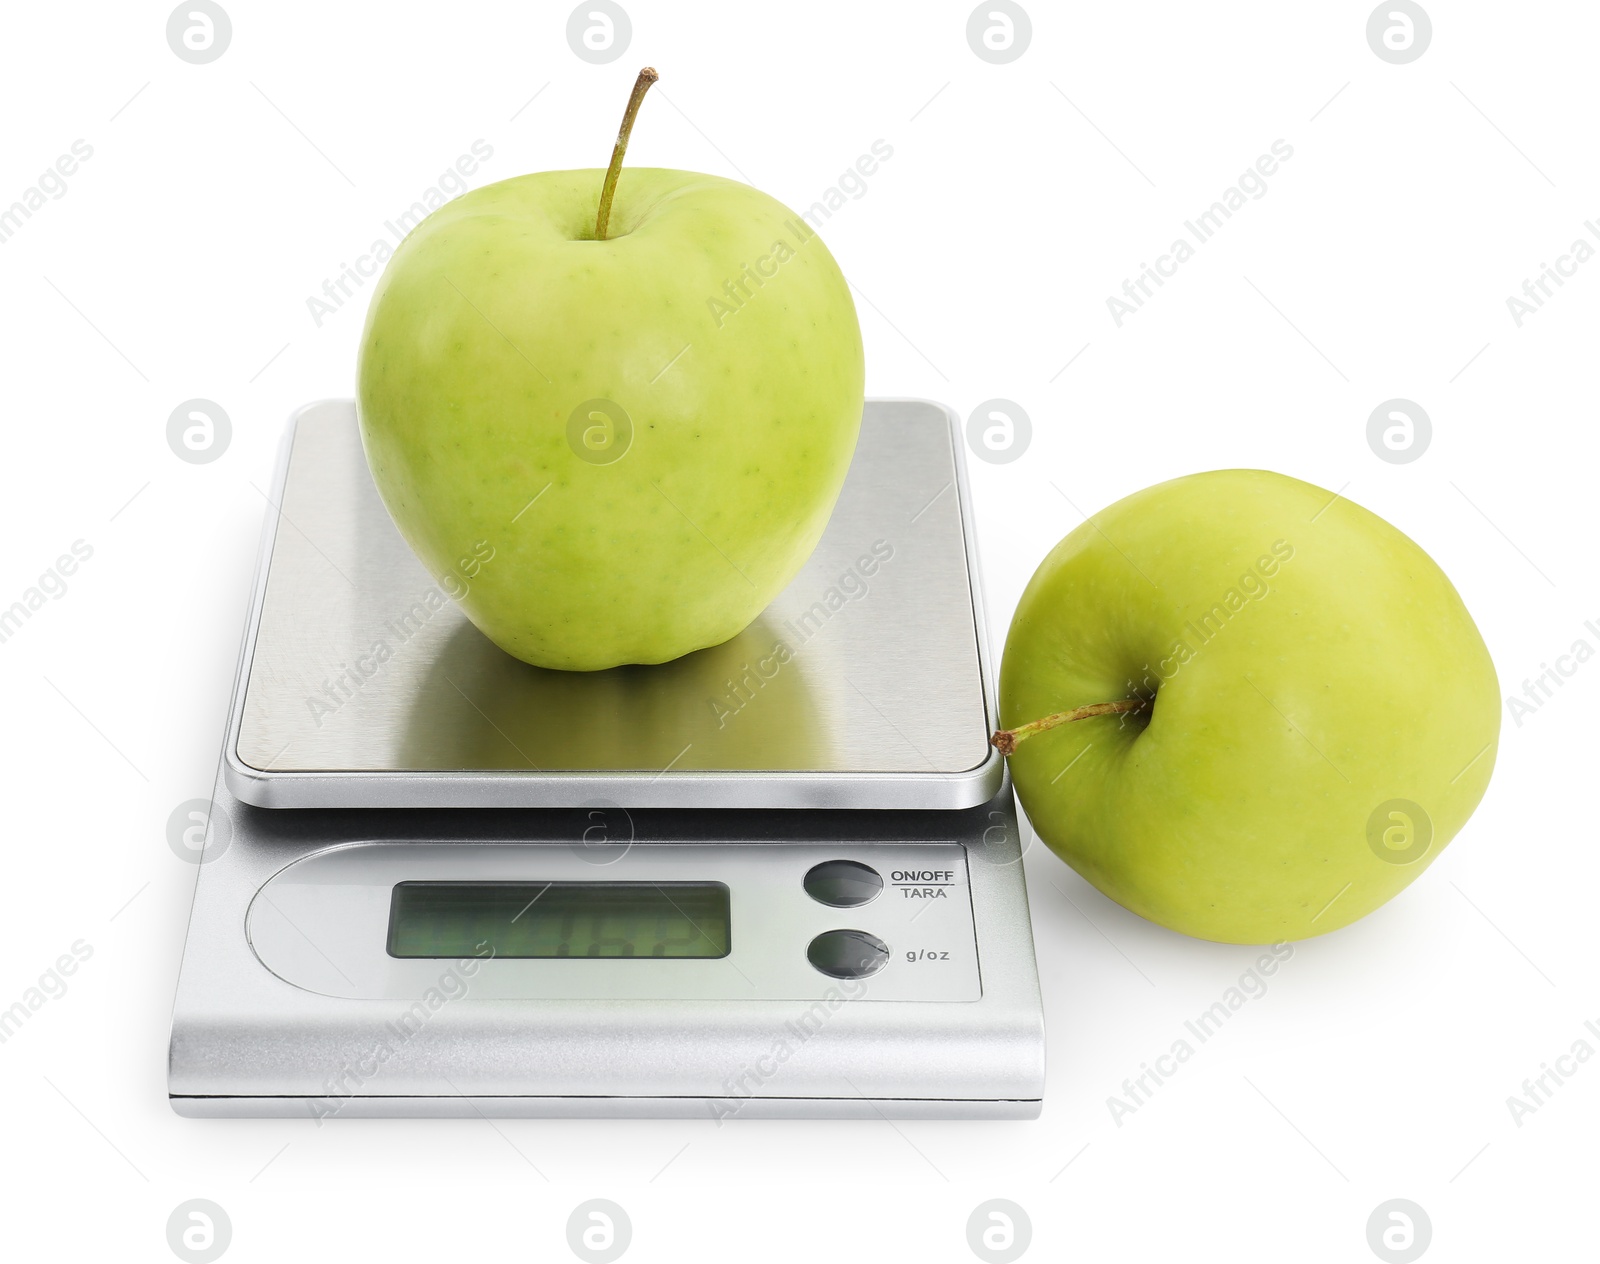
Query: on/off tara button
x,y
843,883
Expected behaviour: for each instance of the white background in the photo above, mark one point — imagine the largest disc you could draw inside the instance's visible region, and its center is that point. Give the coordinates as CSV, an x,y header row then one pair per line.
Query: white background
x,y
178,263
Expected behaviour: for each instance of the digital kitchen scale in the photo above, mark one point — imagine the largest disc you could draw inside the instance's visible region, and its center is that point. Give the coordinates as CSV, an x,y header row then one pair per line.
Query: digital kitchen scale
x,y
777,878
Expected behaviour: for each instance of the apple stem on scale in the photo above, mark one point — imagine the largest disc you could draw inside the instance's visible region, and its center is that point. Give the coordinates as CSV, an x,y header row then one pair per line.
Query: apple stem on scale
x,y
608,190
1005,741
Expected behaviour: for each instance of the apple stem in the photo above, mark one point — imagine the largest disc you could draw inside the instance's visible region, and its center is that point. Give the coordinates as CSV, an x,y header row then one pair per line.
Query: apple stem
x,y
1005,741
608,190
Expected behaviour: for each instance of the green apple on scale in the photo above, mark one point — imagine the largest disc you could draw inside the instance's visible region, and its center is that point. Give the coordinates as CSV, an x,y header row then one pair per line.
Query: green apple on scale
x,y
644,392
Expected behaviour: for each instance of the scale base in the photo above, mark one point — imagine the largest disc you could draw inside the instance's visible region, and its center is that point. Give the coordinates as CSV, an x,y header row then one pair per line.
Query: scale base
x,y
248,1043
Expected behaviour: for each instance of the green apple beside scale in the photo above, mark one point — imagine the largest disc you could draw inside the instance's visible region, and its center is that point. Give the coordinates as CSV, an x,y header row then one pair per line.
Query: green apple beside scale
x,y
623,444
1246,708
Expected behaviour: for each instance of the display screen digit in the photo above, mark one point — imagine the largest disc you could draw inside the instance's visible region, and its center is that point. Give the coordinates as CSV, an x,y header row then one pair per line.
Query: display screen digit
x,y
627,920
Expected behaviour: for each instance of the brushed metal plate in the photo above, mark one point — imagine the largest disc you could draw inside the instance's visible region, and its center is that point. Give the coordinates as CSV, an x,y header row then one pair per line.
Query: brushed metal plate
x,y
362,685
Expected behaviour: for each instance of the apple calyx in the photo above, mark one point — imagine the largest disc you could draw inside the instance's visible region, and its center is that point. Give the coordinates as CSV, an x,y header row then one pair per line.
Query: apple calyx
x,y
608,190
1005,740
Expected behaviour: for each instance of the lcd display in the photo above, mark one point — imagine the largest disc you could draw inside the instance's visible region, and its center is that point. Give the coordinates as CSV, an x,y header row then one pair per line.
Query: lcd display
x,y
628,920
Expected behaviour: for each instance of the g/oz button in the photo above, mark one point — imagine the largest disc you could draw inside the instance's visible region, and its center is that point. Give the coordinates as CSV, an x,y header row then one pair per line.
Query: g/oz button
x,y
848,954
843,883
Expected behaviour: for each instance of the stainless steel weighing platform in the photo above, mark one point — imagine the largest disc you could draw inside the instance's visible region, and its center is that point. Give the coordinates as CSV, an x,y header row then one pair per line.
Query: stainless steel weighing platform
x,y
441,882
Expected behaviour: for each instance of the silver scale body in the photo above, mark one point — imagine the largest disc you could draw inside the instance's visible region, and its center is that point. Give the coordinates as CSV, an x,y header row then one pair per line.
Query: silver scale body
x,y
451,761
